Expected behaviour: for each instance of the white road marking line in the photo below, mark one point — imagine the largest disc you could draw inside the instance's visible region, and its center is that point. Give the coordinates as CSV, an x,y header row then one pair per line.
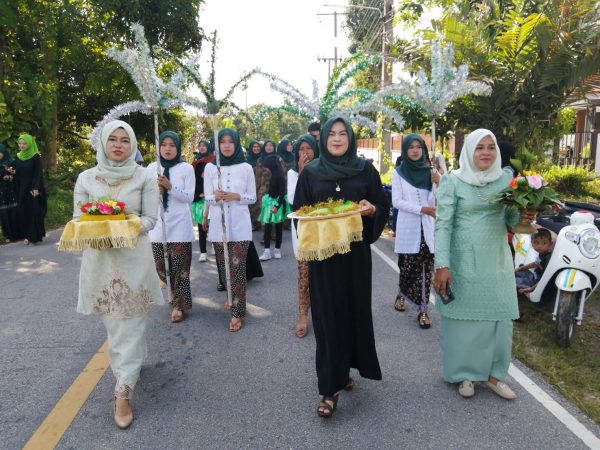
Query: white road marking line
x,y
557,411
576,427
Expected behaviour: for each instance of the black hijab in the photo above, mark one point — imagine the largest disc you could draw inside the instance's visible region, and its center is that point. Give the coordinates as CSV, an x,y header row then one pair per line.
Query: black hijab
x,y
264,154
287,157
251,157
417,173
329,167
6,160
310,141
168,163
238,154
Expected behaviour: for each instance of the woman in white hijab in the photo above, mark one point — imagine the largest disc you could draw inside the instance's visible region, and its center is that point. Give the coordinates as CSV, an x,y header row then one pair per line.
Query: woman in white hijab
x,y
120,285
474,274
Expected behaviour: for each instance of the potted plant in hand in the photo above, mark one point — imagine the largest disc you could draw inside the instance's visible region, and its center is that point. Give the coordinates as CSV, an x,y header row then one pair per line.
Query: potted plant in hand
x,y
528,191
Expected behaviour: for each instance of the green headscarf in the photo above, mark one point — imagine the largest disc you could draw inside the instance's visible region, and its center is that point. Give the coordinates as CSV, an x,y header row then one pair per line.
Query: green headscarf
x,y
111,171
238,154
417,173
251,157
263,153
287,157
31,150
168,163
310,141
329,167
6,160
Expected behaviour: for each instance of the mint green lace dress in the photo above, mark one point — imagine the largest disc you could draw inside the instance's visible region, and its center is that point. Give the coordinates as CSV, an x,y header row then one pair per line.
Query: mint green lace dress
x,y
471,240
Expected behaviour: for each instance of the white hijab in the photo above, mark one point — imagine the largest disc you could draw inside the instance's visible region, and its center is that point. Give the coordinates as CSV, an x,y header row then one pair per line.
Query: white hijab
x,y
467,171
441,161
114,172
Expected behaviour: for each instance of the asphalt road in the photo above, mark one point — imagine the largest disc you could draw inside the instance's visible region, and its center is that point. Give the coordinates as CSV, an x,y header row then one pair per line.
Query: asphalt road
x,y
204,387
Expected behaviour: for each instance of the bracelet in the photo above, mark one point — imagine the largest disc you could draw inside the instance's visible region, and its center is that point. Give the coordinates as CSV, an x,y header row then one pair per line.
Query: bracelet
x,y
442,267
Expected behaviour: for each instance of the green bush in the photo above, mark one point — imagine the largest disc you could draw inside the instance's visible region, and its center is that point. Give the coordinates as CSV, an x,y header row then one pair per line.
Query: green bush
x,y
568,181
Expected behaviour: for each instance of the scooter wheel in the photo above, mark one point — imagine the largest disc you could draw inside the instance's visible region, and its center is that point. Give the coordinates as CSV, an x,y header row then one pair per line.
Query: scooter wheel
x,y
565,318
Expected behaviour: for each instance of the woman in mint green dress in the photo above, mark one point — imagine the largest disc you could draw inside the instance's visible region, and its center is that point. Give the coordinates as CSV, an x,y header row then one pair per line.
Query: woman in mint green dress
x,y
473,261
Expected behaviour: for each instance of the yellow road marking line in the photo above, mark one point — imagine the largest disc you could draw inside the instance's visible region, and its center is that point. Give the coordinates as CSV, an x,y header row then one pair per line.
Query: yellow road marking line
x,y
49,433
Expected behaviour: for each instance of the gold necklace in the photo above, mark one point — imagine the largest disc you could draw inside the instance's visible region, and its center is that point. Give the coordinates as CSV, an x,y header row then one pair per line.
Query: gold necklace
x,y
112,194
482,196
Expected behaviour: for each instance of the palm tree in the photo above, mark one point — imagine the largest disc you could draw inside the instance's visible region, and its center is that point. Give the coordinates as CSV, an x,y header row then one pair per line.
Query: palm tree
x,y
534,54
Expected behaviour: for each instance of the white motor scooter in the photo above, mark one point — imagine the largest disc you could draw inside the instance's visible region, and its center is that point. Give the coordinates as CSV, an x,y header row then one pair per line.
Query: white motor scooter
x,y
572,274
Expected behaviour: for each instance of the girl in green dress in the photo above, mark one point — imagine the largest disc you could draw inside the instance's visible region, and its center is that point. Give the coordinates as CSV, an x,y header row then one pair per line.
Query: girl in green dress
x,y
473,261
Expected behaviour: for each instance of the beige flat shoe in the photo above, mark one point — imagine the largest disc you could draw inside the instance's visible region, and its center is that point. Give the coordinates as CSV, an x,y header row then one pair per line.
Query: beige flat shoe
x,y
466,389
123,422
502,389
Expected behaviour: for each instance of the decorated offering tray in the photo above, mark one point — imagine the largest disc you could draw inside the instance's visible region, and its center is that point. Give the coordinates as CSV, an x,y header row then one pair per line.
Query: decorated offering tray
x,y
326,210
102,233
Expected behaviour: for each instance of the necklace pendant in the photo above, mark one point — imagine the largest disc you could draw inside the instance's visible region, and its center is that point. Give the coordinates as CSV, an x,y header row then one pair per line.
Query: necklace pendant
x,y
337,186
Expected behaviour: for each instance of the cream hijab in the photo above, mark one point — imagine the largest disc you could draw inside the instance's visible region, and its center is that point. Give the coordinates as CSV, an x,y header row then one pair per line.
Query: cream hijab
x,y
114,172
468,172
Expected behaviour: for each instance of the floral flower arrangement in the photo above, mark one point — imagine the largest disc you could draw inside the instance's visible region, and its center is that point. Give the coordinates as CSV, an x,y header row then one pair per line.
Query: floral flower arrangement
x,y
103,207
528,191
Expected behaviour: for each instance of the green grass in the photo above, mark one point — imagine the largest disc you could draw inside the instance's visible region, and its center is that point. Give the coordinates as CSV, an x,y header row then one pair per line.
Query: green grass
x,y
574,371
60,208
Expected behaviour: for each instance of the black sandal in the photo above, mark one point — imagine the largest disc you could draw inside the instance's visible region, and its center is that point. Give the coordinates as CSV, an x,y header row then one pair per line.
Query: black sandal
x,y
422,324
349,385
325,409
399,304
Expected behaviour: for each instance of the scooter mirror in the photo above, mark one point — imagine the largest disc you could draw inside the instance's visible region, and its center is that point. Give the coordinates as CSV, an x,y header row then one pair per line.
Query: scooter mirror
x,y
582,217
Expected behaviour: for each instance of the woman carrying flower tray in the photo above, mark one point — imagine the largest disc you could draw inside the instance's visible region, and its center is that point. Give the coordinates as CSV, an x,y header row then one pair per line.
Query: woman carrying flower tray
x,y
340,282
120,284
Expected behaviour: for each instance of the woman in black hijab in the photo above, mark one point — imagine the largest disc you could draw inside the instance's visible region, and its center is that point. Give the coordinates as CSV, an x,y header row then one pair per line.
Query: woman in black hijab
x,y
340,286
8,197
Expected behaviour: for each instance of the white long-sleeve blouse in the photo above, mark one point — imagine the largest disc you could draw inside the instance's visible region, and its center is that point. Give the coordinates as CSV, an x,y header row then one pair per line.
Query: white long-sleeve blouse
x,y
292,181
238,178
409,200
178,216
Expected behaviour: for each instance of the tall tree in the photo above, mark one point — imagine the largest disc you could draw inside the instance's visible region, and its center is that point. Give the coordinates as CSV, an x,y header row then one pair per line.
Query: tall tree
x,y
56,79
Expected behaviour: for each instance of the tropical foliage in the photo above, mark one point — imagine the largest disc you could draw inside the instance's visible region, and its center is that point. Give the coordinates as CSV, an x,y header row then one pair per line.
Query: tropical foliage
x,y
55,78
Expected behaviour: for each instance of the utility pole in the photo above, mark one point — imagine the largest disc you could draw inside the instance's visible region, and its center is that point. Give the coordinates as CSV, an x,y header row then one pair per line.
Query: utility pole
x,y
335,58
386,77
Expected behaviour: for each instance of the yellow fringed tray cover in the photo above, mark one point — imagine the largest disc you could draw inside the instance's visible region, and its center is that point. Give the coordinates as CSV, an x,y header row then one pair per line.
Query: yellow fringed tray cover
x,y
321,239
101,234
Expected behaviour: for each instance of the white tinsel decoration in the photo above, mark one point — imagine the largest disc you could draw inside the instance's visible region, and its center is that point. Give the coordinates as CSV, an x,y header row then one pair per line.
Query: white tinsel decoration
x,y
155,92
447,83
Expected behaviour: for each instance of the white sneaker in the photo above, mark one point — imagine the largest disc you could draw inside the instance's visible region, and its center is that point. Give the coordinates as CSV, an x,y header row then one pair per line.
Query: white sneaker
x,y
502,390
266,255
277,253
202,257
466,389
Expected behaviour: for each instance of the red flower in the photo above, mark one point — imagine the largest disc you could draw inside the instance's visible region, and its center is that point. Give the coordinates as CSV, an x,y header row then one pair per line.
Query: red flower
x,y
104,209
85,207
121,205
514,183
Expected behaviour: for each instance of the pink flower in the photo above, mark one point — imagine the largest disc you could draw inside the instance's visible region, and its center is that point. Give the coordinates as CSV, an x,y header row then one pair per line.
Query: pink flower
x,y
535,181
104,209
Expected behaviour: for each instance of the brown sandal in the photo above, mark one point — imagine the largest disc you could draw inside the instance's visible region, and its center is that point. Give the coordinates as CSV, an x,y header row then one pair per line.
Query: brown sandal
x,y
235,327
422,318
327,406
349,385
399,304
302,328
175,318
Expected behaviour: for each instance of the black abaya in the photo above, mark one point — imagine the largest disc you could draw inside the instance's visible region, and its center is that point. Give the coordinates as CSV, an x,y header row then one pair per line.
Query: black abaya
x,y
340,286
8,206
31,210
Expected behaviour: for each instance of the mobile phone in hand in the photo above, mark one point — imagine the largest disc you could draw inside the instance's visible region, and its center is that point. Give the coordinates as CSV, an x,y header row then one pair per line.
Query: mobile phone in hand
x,y
448,296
